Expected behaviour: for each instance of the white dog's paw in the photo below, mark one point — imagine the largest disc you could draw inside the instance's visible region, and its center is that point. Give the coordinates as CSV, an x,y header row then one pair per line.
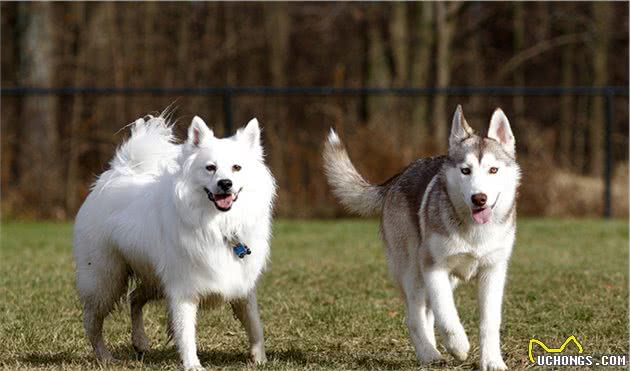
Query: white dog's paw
x,y
258,357
493,364
196,368
457,344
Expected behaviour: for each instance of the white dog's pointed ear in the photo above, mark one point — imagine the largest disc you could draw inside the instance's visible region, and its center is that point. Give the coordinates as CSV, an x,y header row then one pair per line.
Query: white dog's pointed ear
x,y
250,134
460,129
501,131
198,132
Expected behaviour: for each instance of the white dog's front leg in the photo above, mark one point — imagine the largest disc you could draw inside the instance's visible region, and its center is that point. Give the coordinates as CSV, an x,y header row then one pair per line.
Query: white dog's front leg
x,y
441,299
183,313
491,282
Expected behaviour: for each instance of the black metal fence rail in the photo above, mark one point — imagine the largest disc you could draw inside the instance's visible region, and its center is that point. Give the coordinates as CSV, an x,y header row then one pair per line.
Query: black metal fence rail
x,y
228,92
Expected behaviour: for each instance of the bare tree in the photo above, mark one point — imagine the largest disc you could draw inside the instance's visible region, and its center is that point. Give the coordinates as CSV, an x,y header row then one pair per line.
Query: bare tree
x,y
567,122
422,49
602,16
379,71
445,28
38,164
519,46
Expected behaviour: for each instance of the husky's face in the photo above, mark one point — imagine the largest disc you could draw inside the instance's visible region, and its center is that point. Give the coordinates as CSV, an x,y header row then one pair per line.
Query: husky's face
x,y
483,173
220,167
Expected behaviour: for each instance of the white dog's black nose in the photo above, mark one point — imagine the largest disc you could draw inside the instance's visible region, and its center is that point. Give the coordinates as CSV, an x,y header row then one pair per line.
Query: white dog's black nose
x,y
225,184
479,199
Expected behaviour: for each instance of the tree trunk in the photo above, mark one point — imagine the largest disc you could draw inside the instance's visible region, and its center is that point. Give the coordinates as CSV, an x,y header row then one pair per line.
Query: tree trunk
x,y
445,27
602,16
567,117
378,74
398,28
38,163
422,50
72,174
519,46
278,31
477,76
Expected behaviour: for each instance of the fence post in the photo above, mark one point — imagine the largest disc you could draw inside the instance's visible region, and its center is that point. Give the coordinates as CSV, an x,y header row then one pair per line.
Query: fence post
x,y
227,111
608,159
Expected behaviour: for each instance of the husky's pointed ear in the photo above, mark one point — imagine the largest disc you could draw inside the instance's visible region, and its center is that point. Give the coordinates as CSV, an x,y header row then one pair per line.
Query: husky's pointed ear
x,y
500,130
460,129
250,135
198,132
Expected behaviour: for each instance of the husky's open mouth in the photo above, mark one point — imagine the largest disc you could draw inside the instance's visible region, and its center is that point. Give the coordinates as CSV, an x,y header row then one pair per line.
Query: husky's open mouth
x,y
482,215
222,201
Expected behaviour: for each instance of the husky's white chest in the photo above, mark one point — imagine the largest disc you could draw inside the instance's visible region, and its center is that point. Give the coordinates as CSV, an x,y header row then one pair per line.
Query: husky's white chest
x,y
463,266
465,254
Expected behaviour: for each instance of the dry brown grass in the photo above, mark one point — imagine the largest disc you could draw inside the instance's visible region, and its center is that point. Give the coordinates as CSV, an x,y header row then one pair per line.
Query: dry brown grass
x,y
559,193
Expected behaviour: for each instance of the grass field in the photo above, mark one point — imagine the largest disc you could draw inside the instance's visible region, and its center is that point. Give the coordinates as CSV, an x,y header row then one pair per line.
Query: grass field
x,y
327,301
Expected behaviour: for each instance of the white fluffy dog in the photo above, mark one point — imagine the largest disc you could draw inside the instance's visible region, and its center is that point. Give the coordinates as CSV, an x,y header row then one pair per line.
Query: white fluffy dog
x,y
189,222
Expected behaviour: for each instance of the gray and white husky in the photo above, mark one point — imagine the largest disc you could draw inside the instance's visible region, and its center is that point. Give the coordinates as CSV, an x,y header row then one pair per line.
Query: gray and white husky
x,y
444,219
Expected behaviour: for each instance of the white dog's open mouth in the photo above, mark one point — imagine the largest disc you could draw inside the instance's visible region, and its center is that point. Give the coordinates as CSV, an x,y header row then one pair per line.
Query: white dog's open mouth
x,y
223,201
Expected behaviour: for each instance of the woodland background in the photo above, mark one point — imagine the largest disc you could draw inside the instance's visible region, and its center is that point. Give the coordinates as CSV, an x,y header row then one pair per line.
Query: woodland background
x,y
54,145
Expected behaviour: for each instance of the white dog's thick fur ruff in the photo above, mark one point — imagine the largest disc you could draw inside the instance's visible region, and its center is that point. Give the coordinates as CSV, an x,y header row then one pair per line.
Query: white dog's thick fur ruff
x,y
149,217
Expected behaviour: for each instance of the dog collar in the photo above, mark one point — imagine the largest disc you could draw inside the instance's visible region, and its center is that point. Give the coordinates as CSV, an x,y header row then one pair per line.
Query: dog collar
x,y
241,250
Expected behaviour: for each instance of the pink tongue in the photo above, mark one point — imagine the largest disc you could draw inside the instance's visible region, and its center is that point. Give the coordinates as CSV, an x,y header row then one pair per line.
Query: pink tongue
x,y
224,201
482,216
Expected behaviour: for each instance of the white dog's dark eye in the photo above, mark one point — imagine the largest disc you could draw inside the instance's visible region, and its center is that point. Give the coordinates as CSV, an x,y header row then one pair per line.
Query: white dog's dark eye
x,y
493,170
465,171
211,168
236,168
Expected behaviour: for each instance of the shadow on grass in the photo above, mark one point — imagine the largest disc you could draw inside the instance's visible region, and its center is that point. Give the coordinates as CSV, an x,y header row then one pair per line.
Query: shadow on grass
x,y
44,359
169,358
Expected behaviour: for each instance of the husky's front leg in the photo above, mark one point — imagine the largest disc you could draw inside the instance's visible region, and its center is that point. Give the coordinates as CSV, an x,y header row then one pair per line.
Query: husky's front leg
x,y
246,310
183,313
441,298
491,282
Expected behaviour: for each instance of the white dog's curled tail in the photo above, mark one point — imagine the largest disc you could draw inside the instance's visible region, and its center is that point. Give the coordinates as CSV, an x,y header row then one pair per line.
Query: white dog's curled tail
x,y
351,189
149,149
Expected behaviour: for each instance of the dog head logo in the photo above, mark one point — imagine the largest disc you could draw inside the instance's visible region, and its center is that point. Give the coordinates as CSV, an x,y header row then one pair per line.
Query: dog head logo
x,y
570,339
220,167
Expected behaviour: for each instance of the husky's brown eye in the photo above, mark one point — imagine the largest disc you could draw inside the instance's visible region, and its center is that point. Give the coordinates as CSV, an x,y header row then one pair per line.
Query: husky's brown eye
x,y
211,168
493,170
465,171
236,168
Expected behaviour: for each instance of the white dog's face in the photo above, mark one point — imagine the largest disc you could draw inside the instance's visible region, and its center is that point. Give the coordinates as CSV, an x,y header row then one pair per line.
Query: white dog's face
x,y
482,168
220,166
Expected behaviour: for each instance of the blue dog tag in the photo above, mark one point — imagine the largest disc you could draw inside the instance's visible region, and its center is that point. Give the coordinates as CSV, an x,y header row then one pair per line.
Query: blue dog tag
x,y
241,250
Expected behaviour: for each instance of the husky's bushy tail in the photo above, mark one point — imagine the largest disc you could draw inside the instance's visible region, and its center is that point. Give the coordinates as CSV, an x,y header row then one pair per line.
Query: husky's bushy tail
x,y
353,191
149,150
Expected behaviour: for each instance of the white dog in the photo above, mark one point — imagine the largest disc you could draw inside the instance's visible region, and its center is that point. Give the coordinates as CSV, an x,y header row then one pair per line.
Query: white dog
x,y
189,222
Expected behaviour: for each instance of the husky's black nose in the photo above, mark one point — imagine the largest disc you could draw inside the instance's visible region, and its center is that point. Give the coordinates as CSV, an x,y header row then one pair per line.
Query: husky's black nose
x,y
225,184
479,199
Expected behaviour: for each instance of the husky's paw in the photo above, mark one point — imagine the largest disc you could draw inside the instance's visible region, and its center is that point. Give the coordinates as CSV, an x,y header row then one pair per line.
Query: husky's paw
x,y
430,356
105,357
141,345
457,344
196,368
493,364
